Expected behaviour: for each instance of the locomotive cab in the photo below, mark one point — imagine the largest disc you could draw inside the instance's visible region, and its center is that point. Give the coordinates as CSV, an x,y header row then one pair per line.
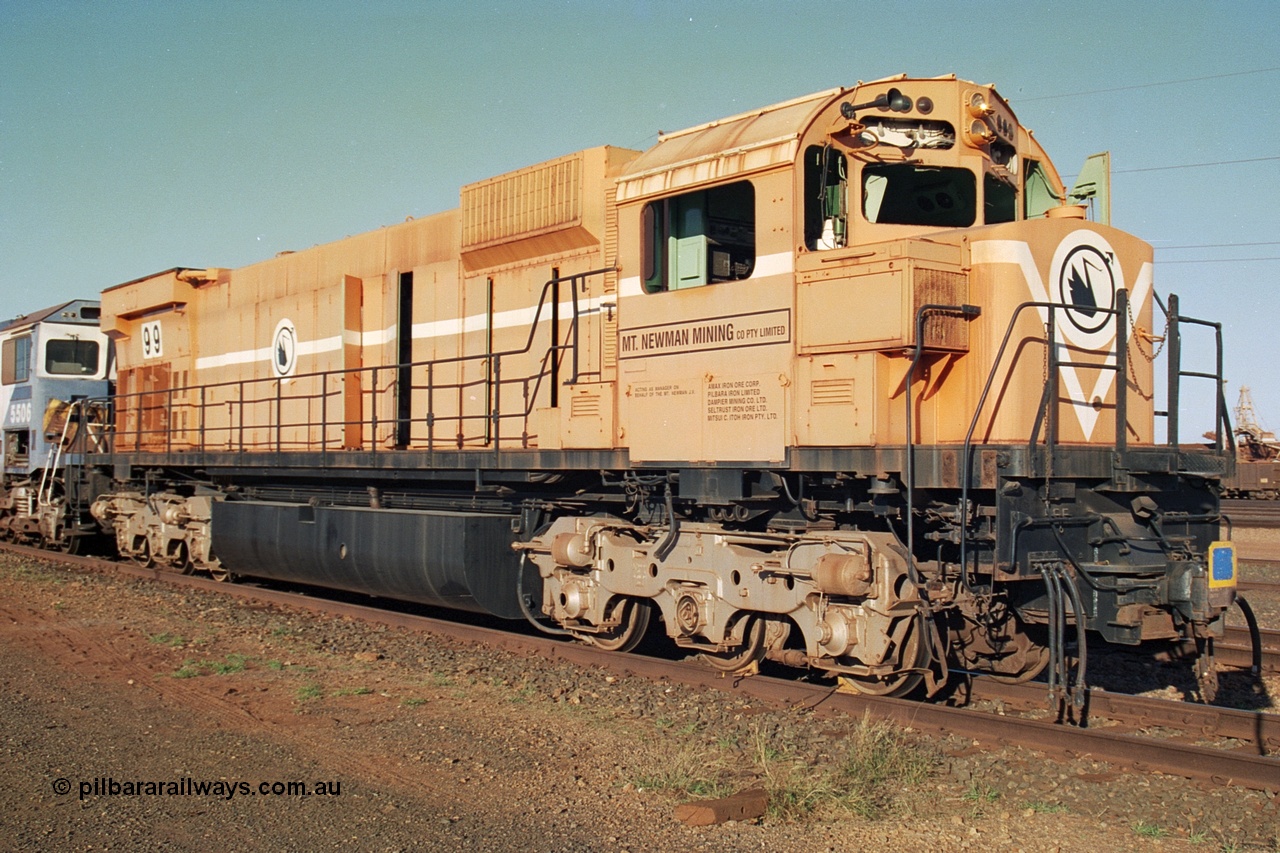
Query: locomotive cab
x,y
901,165
911,325
51,361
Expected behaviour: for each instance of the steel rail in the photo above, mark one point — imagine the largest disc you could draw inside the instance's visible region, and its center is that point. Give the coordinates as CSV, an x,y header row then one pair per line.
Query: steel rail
x,y
1235,648
1129,752
1259,733
1245,513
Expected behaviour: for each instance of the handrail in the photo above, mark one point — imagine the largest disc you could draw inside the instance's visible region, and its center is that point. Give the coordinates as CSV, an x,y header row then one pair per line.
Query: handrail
x,y
1049,402
968,312
1222,419
1051,427
1048,412
142,404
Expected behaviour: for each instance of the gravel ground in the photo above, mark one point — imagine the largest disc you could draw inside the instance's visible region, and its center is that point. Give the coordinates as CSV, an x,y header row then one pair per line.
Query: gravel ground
x,y
438,747
1266,605
1257,543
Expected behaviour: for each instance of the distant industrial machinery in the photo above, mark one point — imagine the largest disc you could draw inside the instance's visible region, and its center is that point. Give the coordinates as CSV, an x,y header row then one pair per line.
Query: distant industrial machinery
x,y
1257,455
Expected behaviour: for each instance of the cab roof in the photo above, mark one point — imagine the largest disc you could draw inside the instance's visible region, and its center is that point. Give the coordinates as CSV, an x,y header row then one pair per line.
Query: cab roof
x,y
63,312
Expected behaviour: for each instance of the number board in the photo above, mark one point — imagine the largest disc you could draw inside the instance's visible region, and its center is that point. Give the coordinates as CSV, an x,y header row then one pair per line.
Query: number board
x,y
19,414
152,343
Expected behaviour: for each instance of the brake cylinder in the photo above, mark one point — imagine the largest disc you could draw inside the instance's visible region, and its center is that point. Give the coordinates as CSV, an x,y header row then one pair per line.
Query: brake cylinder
x,y
843,574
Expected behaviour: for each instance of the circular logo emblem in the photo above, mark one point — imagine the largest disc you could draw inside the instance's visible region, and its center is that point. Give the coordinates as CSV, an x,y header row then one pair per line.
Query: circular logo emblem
x,y
1084,279
284,349
1085,283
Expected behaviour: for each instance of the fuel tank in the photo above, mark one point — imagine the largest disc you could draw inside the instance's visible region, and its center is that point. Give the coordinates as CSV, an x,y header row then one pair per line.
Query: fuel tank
x,y
457,560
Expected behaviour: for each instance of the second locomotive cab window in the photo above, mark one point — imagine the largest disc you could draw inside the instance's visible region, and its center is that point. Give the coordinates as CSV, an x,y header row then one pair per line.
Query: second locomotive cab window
x,y
16,360
904,194
71,358
702,237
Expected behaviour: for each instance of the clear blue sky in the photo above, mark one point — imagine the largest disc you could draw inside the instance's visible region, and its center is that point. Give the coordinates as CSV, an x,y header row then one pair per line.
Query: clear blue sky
x,y
138,136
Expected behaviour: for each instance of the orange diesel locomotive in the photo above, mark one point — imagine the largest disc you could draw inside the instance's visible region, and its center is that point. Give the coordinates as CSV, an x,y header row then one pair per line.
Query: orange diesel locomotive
x,y
848,381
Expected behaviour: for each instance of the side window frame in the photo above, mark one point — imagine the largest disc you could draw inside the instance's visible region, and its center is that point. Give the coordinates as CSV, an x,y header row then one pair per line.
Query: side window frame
x,y
826,198
1037,193
75,358
15,360
705,236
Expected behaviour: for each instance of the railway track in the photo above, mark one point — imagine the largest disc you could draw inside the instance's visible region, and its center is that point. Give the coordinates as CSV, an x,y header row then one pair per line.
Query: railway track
x,y
1236,649
1118,712
1249,759
1270,587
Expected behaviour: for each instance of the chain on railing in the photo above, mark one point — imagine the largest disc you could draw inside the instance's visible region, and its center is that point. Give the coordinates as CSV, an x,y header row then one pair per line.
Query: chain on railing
x,y
1048,412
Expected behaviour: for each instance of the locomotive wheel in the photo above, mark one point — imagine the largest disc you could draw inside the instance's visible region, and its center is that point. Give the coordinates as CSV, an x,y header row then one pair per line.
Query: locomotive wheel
x,y
217,571
1032,658
751,651
6,532
1008,651
915,655
73,545
635,621
182,559
143,555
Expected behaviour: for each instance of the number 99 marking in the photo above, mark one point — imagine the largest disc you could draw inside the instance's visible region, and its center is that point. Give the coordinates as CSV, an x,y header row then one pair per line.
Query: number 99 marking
x,y
151,347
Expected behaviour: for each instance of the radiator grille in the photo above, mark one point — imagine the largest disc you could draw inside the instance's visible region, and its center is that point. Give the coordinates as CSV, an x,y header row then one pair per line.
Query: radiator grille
x,y
532,201
941,287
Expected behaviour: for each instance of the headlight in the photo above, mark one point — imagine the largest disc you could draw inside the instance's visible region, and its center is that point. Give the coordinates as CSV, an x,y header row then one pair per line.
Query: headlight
x,y
979,134
978,106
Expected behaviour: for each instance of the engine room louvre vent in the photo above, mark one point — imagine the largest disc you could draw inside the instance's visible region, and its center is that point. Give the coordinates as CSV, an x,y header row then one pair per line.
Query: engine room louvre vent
x,y
532,201
609,343
584,406
831,392
942,287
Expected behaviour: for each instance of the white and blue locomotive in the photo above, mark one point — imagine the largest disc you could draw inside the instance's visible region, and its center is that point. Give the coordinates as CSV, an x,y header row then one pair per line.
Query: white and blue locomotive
x,y
51,362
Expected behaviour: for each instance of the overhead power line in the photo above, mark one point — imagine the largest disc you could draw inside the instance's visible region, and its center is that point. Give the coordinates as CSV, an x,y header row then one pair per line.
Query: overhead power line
x,y
1216,260
1193,165
1069,178
1148,85
1219,245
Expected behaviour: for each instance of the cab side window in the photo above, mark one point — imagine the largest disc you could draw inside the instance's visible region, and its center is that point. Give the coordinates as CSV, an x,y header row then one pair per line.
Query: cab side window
x,y
826,177
71,358
699,238
15,360
1000,200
